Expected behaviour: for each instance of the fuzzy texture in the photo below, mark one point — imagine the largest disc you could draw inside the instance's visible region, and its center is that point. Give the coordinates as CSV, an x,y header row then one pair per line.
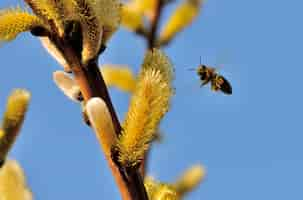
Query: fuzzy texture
x,y
52,12
67,85
183,16
156,59
85,12
99,20
151,186
131,18
59,7
101,121
16,108
109,13
13,183
13,118
149,103
119,76
160,191
15,21
165,192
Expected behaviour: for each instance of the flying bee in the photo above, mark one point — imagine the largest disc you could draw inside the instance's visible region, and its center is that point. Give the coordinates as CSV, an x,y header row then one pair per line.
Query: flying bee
x,y
209,74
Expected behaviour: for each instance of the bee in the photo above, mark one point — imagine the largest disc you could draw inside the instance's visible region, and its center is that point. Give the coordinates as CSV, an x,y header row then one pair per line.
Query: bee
x,y
209,74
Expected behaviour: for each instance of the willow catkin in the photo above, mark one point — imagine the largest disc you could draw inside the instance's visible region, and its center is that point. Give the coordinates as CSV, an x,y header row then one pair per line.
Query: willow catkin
x,y
14,21
149,103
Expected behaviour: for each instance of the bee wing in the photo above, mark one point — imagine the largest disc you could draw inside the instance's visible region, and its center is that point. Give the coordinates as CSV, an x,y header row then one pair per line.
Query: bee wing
x,y
225,86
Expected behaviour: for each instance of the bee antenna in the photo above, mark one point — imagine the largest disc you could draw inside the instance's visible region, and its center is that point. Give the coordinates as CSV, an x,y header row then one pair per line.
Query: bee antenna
x,y
191,69
200,60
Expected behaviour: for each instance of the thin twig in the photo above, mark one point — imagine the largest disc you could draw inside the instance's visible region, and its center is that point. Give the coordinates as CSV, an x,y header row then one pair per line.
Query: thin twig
x,y
155,24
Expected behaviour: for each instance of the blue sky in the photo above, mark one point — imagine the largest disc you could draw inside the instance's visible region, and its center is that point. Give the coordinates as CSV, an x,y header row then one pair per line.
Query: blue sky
x,y
249,142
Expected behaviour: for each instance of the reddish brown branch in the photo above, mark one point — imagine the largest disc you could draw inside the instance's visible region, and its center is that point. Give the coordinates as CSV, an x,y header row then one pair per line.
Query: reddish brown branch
x,y
91,83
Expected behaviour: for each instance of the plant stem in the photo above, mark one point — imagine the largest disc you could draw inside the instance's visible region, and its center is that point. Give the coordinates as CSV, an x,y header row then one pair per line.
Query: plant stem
x,y
151,42
91,83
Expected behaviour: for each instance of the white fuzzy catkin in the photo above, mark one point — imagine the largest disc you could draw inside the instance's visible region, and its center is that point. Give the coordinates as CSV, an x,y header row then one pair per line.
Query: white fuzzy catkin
x,y
101,121
67,85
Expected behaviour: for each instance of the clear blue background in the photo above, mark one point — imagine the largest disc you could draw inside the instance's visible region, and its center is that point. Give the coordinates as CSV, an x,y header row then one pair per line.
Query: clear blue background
x,y
250,142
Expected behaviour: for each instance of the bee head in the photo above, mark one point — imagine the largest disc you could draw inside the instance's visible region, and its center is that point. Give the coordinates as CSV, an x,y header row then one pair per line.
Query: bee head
x,y
202,71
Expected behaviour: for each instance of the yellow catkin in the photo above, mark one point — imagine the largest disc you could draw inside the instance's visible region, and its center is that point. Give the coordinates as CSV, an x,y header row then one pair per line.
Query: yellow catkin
x,y
151,186
131,18
119,76
14,21
13,183
109,13
16,108
160,191
148,105
59,7
183,16
190,179
92,31
165,192
50,10
145,7
156,59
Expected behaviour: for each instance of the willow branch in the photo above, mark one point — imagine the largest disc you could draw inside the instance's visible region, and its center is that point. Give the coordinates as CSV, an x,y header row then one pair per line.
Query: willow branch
x,y
92,84
151,42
